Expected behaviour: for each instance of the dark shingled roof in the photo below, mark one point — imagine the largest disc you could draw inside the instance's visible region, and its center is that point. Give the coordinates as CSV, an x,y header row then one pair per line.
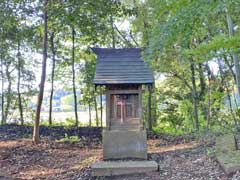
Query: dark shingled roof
x,y
121,66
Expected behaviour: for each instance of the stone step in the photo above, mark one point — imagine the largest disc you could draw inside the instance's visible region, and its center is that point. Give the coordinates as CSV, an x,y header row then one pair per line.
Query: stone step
x,y
110,168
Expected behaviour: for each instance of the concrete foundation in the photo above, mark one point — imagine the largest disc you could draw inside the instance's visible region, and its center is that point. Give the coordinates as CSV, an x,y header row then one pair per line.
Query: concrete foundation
x,y
120,144
110,168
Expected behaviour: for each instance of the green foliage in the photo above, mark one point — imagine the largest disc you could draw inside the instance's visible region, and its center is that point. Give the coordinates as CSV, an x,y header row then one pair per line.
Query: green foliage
x,y
70,139
181,39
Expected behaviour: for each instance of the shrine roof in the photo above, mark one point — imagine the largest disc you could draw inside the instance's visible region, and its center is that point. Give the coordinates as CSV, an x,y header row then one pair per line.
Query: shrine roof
x,y
121,66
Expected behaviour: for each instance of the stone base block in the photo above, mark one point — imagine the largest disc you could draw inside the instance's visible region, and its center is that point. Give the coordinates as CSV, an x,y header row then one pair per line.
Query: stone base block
x,y
229,161
227,154
121,144
110,168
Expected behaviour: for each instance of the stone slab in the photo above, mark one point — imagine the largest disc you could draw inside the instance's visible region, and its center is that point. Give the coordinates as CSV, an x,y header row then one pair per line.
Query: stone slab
x,y
229,161
227,154
225,143
121,144
110,168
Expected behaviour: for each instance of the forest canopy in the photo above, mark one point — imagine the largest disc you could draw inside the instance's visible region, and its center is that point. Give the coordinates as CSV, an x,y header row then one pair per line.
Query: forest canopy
x,y
192,47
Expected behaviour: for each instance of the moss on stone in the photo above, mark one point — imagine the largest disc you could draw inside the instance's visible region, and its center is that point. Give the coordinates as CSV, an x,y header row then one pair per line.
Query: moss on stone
x,y
225,143
227,154
229,161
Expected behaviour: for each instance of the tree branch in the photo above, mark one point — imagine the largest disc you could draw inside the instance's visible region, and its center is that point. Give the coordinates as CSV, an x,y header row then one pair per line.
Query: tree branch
x,y
181,78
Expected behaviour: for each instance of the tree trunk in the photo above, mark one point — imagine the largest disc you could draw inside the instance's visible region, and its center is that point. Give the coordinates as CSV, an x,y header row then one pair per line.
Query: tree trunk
x,y
101,110
52,76
149,108
208,97
18,86
89,111
73,77
230,67
202,81
43,77
2,103
202,90
154,116
96,111
124,38
194,96
224,84
8,96
113,34
235,56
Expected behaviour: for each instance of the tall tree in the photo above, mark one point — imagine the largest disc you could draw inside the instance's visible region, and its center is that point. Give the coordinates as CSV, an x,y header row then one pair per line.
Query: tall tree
x,y
19,84
73,77
52,76
2,95
235,55
9,90
36,137
194,96
96,110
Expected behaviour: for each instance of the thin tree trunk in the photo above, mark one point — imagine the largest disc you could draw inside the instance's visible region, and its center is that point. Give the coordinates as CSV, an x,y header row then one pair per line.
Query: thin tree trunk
x,y
235,56
90,116
208,97
52,76
234,96
101,110
230,106
230,67
18,86
9,89
224,84
128,43
149,108
134,40
113,34
202,81
96,111
36,138
202,90
2,103
194,96
73,77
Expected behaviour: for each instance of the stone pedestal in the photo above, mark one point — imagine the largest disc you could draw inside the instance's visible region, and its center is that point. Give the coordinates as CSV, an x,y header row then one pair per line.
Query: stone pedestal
x,y
121,144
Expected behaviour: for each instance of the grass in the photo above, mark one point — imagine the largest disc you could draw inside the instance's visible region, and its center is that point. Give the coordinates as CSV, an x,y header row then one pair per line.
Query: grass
x,y
70,139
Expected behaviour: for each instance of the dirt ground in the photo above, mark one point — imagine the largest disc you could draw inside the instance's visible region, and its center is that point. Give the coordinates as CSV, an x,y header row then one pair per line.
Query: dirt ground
x,y
182,159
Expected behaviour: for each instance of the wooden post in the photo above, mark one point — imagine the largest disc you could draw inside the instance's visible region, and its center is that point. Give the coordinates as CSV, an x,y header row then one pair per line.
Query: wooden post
x,y
107,109
149,107
140,105
101,110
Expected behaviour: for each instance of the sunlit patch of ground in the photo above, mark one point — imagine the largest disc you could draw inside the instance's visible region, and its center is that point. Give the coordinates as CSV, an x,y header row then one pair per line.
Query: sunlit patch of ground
x,y
24,160
154,146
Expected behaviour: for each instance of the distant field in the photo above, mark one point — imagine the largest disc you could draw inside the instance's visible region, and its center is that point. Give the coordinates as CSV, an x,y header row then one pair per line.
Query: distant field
x,y
62,116
83,117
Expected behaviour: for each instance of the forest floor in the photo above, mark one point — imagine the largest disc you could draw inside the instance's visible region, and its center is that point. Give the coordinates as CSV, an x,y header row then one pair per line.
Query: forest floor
x,y
184,157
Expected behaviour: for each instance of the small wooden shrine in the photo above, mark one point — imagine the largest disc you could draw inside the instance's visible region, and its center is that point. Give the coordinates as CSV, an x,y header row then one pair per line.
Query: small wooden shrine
x,y
123,72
